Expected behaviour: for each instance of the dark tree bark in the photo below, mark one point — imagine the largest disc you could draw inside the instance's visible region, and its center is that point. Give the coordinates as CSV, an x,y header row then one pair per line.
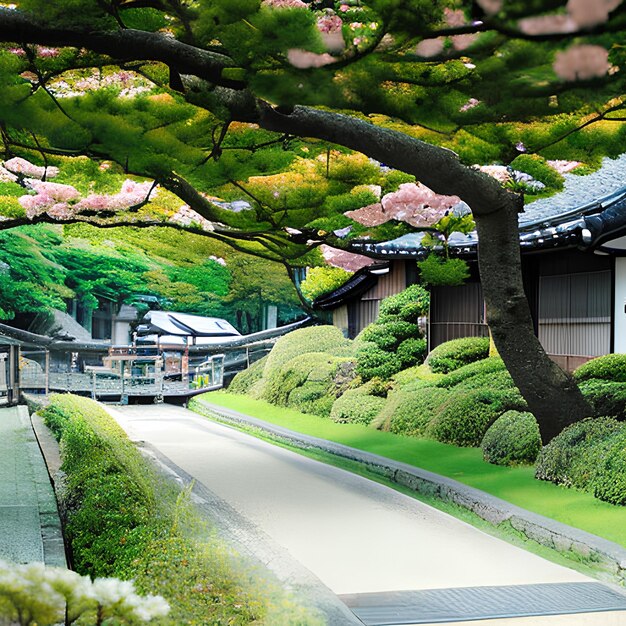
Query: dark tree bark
x,y
551,394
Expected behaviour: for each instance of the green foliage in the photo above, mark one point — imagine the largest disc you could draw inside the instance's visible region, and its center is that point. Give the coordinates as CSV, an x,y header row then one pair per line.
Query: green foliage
x,y
309,382
588,455
435,270
413,374
321,280
411,351
481,368
512,439
124,520
453,354
357,406
304,340
410,411
244,380
406,306
537,167
465,417
609,367
572,458
606,397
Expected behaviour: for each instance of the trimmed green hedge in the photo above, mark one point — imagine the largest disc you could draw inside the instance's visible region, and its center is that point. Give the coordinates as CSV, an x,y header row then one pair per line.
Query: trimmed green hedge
x,y
608,367
304,340
410,411
512,439
309,382
606,397
246,379
490,365
357,406
453,354
465,417
125,520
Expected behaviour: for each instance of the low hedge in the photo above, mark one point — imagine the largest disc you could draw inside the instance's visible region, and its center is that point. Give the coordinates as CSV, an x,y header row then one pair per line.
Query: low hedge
x,y
304,340
571,458
124,520
374,362
246,379
416,372
512,439
356,406
309,382
606,397
465,417
451,355
490,365
608,367
410,411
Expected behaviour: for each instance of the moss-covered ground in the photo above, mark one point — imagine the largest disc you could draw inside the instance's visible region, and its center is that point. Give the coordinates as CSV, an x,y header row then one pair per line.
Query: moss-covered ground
x,y
513,484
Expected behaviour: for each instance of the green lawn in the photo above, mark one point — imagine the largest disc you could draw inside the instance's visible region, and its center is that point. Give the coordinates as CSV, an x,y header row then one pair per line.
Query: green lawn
x,y
514,484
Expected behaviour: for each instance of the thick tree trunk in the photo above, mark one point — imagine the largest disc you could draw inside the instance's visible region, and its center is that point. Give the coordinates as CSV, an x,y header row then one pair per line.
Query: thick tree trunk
x,y
552,395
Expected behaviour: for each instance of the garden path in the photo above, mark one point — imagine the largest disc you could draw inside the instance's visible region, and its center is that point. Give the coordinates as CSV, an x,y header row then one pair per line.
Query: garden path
x,y
365,541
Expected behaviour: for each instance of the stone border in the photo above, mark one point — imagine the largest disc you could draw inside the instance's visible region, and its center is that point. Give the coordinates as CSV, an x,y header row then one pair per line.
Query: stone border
x,y
49,518
606,555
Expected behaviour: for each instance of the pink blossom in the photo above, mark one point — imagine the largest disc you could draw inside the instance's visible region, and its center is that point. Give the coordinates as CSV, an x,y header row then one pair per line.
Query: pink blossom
x,y
490,7
356,25
581,63
55,192
589,13
60,211
454,18
413,203
345,260
303,58
563,167
343,8
20,52
186,216
461,42
470,104
329,23
357,40
47,52
548,24
18,165
6,176
285,4
429,48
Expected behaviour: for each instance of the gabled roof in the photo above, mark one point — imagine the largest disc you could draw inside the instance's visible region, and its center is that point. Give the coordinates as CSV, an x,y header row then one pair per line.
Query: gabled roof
x,y
589,211
184,325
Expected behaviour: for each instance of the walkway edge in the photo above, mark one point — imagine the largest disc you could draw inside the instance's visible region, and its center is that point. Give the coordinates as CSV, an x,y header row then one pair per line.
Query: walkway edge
x,y
605,555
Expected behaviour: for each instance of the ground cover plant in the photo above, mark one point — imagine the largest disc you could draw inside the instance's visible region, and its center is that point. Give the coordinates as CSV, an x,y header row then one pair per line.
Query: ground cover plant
x,y
124,520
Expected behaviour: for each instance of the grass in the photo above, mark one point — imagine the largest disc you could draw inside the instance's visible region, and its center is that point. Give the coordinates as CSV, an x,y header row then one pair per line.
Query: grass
x,y
516,485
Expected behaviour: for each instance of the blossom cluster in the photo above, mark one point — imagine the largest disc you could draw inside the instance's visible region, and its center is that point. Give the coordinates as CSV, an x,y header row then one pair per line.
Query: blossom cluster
x,y
128,84
413,203
64,202
13,169
186,216
44,595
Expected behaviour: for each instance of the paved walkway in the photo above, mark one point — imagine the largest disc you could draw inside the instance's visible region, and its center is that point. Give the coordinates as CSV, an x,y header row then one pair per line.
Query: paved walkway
x,y
29,520
364,541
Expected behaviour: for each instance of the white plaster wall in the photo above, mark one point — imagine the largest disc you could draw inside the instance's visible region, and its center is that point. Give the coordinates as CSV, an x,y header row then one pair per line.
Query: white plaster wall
x,y
620,304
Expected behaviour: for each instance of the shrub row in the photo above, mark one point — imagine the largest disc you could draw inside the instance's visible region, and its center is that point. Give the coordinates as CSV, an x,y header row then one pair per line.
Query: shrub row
x,y
453,354
124,520
589,455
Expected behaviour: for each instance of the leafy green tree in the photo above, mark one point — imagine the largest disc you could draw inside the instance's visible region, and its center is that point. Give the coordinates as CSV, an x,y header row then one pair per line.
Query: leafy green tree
x,y
284,103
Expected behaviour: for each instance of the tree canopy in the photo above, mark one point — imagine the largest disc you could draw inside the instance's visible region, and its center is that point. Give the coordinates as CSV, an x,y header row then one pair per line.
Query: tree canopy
x,y
309,111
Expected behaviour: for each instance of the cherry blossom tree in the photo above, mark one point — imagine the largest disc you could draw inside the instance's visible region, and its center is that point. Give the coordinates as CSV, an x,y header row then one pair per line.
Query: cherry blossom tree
x,y
270,125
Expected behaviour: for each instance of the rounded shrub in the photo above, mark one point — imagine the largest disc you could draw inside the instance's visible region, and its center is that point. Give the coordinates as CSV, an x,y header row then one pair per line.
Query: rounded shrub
x,y
490,365
356,406
608,367
607,398
416,372
245,379
411,351
453,354
304,340
572,457
373,361
309,373
407,305
380,335
609,481
465,417
513,438
409,412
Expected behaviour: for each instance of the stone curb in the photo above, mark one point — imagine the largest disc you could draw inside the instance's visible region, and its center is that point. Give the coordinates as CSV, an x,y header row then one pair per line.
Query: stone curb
x,y
51,531
606,555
